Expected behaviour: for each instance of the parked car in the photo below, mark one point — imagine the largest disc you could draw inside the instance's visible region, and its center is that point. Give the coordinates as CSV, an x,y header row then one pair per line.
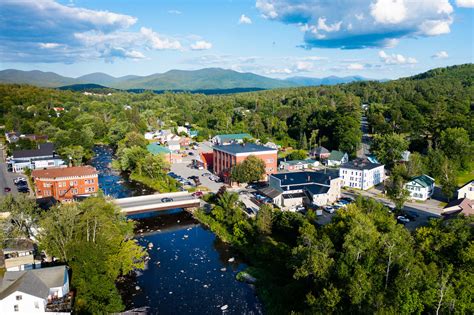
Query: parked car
x,y
402,219
198,194
23,189
7,189
329,209
206,174
300,208
166,199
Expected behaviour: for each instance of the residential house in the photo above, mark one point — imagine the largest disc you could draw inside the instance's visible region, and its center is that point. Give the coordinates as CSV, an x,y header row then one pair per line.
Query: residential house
x,y
173,145
184,141
288,190
226,156
298,165
170,157
362,174
467,191
272,145
67,183
12,137
19,254
337,158
421,187
44,290
320,153
230,138
458,206
58,110
41,158
204,160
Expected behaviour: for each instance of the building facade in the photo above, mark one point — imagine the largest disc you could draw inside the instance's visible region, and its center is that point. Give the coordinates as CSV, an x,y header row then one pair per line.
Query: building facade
x,y
421,187
337,158
64,184
362,174
226,156
467,191
298,165
41,158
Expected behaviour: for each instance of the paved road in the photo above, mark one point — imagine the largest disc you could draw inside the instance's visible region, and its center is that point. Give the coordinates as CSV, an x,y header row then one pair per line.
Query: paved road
x,y
6,178
151,201
365,145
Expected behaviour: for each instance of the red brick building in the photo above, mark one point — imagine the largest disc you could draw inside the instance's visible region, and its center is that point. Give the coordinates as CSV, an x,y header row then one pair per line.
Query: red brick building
x,y
226,156
63,184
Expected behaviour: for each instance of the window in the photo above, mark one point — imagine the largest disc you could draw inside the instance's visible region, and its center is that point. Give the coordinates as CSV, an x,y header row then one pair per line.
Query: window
x,y
19,297
71,183
74,191
90,189
15,308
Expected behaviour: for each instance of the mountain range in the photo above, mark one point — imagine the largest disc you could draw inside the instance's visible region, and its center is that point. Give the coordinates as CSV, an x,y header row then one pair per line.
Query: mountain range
x,y
184,80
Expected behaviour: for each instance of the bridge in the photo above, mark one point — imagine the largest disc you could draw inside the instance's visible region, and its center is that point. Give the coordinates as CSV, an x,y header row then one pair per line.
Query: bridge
x,y
150,203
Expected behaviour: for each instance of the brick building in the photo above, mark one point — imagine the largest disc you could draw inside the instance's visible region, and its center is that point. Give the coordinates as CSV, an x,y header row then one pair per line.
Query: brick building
x,y
63,184
226,156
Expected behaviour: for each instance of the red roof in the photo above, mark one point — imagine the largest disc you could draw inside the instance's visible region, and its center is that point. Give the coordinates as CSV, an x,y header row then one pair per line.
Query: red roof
x,y
65,172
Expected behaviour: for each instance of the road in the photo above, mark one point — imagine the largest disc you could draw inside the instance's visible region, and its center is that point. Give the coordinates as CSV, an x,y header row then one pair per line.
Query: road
x,y
6,178
151,201
365,145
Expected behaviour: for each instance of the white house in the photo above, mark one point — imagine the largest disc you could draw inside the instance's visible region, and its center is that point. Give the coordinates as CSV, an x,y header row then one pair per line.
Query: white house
x,y
337,158
19,254
298,165
35,291
43,157
467,191
230,138
173,145
362,174
420,187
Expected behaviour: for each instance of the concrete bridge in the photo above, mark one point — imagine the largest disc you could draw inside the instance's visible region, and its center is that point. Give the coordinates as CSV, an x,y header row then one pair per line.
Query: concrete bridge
x,y
150,203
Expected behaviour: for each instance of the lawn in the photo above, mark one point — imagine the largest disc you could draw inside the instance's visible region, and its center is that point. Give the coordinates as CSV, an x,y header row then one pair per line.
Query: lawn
x,y
465,176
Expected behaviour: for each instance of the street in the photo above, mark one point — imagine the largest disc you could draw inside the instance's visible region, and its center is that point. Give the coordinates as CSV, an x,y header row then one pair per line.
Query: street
x,y
365,145
6,178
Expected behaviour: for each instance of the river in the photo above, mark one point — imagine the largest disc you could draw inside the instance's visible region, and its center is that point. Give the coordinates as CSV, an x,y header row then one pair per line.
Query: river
x,y
190,271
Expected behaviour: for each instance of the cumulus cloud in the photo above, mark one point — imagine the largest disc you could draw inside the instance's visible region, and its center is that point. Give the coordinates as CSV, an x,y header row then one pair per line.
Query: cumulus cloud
x,y
465,3
201,45
396,59
49,31
440,55
244,19
355,66
350,24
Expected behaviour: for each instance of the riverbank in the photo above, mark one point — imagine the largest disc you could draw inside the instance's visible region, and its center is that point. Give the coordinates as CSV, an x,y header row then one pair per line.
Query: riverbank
x,y
267,259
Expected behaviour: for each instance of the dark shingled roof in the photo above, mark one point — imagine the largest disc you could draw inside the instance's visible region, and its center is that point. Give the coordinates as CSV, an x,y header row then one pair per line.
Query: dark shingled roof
x,y
45,149
317,189
299,178
235,148
270,192
360,164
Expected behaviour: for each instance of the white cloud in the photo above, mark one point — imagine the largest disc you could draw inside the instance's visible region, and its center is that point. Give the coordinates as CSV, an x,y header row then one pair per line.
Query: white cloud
x,y
350,24
465,3
201,45
355,66
49,31
388,11
396,59
244,19
441,55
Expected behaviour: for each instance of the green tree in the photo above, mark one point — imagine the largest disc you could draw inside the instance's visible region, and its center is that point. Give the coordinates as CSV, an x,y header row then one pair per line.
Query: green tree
x,y
396,191
447,179
249,170
388,148
23,215
297,155
416,165
75,153
264,219
457,146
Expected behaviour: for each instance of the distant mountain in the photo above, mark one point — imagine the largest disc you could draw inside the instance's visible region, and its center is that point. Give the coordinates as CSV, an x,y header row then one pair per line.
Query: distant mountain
x,y
35,77
331,80
89,87
203,79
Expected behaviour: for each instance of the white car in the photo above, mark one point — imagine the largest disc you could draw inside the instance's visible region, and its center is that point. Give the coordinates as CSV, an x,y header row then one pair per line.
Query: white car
x,y
329,209
403,219
19,179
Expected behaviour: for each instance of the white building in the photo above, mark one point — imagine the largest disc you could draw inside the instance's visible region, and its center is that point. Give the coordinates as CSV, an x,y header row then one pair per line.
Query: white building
x,y
43,157
467,191
337,158
298,165
421,187
35,291
173,145
362,174
288,190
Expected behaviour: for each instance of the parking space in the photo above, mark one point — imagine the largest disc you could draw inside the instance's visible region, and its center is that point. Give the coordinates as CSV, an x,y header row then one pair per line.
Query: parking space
x,y
185,171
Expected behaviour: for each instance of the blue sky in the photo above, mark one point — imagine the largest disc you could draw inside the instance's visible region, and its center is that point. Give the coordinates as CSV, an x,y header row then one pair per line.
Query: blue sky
x,y
276,38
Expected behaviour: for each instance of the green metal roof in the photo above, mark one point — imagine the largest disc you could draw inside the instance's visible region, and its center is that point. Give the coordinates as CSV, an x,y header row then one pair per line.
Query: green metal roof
x,y
234,136
157,149
423,180
294,162
336,155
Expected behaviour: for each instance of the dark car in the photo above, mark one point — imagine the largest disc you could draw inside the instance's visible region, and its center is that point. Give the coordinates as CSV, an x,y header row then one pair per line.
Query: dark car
x,y
166,199
7,189
23,189
21,182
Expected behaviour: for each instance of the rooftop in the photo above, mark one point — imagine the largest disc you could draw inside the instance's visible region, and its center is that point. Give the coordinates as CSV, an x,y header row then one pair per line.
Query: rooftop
x,y
65,172
157,149
300,178
464,206
243,148
36,282
45,149
321,150
423,180
295,162
336,155
360,164
234,136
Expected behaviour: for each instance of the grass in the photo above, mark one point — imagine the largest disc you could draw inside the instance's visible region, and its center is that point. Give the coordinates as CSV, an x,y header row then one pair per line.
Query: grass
x,y
465,176
161,186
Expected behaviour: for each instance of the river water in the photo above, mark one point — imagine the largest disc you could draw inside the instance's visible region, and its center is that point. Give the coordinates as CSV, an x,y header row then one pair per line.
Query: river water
x,y
190,271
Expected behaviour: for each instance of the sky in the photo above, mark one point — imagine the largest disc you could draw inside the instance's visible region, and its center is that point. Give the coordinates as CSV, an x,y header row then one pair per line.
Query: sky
x,y
378,39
